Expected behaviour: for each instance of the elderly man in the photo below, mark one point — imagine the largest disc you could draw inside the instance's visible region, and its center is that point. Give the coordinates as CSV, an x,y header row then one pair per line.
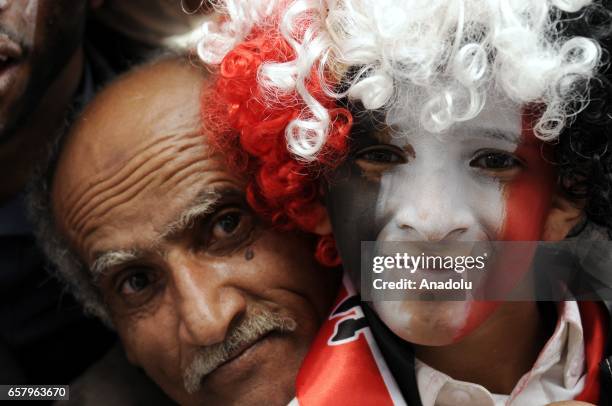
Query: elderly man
x,y
153,233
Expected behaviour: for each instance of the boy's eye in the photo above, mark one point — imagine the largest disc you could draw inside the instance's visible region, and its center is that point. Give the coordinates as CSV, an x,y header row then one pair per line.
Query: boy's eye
x,y
495,161
381,155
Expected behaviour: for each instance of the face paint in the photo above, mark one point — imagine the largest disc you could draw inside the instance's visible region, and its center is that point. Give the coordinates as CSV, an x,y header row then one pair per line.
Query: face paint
x,y
529,196
351,201
528,201
483,180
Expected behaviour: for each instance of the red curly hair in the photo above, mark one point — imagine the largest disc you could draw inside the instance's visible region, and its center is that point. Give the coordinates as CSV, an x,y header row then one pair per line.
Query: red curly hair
x,y
249,129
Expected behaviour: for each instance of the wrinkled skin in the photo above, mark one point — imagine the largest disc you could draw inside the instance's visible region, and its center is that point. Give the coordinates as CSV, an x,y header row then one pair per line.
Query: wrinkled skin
x,y
177,254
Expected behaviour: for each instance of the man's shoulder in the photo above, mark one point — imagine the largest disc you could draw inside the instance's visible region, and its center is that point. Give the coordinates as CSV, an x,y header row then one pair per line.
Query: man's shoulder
x,y
114,381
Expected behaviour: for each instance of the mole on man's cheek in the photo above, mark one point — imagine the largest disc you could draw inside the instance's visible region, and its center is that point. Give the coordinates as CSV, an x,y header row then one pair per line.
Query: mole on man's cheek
x,y
249,254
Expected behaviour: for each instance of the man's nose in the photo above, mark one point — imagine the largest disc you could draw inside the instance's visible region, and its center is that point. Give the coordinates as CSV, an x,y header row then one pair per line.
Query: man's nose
x,y
437,210
208,306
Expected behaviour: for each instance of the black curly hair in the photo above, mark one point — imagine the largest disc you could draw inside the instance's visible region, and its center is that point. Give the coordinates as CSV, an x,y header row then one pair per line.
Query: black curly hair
x,y
583,152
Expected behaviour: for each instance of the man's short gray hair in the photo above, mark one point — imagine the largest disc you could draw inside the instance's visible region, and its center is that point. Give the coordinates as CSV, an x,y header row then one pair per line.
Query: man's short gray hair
x,y
65,263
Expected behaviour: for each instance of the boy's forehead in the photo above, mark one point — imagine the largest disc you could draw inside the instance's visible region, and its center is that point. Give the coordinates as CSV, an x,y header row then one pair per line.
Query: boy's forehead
x,y
499,114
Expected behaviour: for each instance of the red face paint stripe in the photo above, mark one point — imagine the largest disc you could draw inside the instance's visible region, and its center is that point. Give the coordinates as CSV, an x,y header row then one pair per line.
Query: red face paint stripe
x,y
529,196
528,200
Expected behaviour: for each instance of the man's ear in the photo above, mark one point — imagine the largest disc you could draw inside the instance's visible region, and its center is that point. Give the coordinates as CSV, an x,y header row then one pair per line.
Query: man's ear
x,y
564,214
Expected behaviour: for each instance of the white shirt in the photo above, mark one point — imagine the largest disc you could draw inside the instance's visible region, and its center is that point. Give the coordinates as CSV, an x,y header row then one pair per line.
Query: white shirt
x,y
557,375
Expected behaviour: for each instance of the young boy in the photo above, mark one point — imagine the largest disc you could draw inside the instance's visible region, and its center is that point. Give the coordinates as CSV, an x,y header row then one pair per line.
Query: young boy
x,y
472,124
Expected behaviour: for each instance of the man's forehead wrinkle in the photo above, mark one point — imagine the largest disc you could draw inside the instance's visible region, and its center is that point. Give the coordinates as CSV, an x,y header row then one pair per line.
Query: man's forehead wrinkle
x,y
109,228
88,227
132,177
183,170
86,190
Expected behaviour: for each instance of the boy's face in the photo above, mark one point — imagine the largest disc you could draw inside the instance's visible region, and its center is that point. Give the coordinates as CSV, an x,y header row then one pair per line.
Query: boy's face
x,y
486,179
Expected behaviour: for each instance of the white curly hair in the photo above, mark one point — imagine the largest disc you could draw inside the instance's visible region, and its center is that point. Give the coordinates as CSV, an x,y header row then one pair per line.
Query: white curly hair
x,y
453,50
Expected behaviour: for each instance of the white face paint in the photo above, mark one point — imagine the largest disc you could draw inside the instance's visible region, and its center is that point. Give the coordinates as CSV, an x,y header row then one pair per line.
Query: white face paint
x,y
450,198
482,180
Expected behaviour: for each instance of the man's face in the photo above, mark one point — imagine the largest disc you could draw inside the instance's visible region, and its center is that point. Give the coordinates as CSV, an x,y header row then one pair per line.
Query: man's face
x,y
484,180
37,37
216,308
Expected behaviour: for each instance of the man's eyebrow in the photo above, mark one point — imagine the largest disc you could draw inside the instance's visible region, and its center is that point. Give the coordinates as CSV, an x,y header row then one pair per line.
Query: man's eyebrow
x,y
110,259
205,203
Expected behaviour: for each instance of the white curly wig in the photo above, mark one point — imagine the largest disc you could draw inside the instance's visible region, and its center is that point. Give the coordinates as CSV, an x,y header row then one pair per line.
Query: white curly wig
x,y
453,50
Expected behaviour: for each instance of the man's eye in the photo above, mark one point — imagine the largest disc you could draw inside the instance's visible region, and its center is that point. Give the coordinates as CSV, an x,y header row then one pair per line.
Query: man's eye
x,y
226,224
229,230
495,161
136,283
382,154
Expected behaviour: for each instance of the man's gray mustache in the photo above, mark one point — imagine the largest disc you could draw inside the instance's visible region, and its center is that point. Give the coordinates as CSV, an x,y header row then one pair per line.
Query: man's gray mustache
x,y
254,326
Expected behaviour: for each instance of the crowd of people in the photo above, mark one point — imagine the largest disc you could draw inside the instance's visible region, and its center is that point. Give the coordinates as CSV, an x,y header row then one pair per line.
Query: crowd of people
x,y
183,220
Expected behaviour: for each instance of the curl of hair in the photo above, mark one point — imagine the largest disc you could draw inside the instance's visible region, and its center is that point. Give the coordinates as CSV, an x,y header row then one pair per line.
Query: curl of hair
x,y
452,50
248,127
584,148
221,36
534,51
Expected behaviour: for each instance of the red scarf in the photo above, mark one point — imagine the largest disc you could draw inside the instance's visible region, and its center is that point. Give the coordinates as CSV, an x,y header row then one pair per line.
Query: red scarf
x,y
345,366
594,325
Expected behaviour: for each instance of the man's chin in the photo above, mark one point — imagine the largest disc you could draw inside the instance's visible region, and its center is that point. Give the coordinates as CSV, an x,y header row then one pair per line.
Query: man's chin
x,y
257,372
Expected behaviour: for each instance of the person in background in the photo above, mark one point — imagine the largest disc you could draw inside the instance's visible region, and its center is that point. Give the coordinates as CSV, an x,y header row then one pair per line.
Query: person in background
x,y
52,60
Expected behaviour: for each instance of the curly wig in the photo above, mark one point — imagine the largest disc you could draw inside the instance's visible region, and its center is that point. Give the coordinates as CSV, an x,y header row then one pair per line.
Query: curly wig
x,y
453,49
286,68
249,127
